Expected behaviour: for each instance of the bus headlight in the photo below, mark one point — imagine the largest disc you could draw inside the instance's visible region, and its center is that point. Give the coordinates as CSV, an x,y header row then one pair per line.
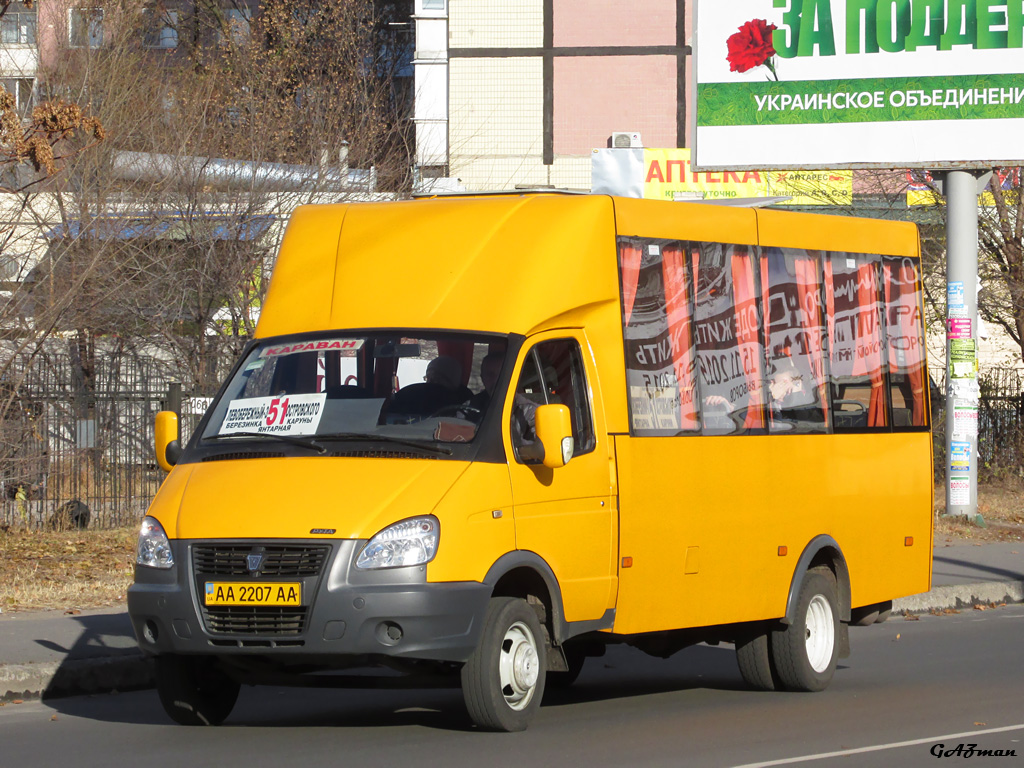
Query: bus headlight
x,y
409,542
154,550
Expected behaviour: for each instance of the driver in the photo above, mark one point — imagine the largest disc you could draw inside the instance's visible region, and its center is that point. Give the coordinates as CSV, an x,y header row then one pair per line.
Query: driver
x,y
445,372
442,387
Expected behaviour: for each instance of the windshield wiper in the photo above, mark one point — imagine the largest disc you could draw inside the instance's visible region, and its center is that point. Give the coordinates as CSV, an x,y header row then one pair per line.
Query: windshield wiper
x,y
305,442
363,437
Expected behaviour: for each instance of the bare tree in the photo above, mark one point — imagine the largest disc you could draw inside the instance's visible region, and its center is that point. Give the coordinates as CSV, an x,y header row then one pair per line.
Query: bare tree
x,y
34,150
211,144
1001,246
1000,251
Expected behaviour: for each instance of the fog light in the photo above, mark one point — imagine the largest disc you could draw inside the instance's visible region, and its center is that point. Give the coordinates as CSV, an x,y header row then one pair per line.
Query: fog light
x,y
389,633
150,631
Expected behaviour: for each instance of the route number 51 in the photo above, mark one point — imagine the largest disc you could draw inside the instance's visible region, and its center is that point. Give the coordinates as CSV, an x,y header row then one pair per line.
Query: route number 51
x,y
277,411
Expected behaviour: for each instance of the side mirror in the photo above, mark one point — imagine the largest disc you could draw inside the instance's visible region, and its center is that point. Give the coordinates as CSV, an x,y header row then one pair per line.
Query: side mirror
x,y
168,449
553,425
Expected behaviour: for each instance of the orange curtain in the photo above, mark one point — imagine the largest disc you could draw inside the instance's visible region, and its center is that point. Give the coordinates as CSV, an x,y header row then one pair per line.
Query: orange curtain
x,y
766,314
677,305
810,302
830,303
745,300
915,326
869,341
461,351
629,265
902,298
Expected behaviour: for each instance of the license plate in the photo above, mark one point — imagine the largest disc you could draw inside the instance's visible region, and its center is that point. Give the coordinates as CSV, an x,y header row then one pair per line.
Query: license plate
x,y
247,593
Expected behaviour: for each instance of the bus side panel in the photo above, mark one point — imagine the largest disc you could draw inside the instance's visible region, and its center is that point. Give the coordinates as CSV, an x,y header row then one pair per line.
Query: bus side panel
x,y
703,520
886,484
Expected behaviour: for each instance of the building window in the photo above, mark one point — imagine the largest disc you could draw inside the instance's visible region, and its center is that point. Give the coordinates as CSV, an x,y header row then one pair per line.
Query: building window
x,y
21,89
162,30
85,27
238,24
18,28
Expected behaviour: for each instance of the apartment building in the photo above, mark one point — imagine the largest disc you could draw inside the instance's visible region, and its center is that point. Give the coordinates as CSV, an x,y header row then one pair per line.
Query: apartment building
x,y
19,54
520,94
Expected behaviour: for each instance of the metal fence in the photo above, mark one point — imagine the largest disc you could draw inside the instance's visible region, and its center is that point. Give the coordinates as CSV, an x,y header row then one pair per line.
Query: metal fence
x,y
70,441
68,438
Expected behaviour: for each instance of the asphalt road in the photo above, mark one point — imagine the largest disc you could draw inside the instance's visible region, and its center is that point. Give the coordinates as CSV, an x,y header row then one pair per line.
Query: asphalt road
x,y
909,685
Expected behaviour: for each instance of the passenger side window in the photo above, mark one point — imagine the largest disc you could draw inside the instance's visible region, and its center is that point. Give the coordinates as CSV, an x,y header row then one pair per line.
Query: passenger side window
x,y
552,373
856,314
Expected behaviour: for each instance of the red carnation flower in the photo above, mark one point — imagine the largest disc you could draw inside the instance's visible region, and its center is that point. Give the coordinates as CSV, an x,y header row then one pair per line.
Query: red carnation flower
x,y
751,46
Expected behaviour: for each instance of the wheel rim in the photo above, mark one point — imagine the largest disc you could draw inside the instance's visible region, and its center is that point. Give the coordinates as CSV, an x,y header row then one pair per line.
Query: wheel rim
x,y
820,633
518,666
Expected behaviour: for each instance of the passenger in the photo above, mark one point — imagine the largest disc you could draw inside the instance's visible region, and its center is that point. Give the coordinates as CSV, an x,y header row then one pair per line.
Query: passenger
x,y
791,402
524,429
490,369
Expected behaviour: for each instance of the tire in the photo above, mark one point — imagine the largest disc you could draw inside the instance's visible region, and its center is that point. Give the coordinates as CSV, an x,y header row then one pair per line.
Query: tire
x,y
755,661
575,657
503,681
194,690
805,651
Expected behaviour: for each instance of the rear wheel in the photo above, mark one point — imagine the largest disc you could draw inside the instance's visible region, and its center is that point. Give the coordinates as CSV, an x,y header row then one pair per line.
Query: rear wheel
x,y
194,690
503,681
755,661
805,651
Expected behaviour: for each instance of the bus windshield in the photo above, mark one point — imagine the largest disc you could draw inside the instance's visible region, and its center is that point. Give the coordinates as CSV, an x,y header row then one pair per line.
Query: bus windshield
x,y
399,386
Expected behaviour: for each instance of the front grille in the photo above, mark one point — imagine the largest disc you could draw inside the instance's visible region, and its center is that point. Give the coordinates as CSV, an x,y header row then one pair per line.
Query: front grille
x,y
294,561
256,620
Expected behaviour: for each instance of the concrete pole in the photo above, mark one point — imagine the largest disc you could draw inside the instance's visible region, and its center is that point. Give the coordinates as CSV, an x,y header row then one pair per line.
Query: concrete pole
x,y
962,394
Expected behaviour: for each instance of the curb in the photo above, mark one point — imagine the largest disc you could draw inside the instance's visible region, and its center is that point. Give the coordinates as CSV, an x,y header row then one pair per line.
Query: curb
x,y
961,596
76,677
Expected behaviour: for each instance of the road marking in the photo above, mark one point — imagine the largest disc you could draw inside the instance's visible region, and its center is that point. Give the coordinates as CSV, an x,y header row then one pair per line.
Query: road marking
x,y
881,747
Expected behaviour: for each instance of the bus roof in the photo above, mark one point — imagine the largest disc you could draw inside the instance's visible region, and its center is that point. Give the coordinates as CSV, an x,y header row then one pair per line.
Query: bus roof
x,y
506,264
515,263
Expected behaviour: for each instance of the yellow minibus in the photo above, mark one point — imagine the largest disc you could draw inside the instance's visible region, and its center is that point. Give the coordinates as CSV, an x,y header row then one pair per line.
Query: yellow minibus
x,y
477,439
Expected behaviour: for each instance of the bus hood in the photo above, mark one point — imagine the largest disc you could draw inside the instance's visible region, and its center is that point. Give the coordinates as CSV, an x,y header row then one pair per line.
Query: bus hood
x,y
298,497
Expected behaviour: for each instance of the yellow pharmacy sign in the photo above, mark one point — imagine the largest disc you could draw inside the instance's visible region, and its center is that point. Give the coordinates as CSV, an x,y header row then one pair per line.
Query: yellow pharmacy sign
x,y
812,187
668,175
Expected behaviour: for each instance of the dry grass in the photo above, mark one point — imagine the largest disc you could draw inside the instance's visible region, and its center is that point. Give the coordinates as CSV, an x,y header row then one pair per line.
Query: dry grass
x,y
65,570
1001,505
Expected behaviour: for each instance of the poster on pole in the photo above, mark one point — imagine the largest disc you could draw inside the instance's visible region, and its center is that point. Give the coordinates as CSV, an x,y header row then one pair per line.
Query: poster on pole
x,y
858,83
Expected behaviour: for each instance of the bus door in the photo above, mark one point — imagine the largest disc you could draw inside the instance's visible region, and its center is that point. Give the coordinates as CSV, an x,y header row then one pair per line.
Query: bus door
x,y
566,515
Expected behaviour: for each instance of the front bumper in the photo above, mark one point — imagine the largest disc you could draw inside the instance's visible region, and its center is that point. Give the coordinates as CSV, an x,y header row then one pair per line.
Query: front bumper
x,y
345,611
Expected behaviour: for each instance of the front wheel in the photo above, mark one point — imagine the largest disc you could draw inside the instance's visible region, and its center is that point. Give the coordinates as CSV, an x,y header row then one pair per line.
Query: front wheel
x,y
194,690
805,651
503,681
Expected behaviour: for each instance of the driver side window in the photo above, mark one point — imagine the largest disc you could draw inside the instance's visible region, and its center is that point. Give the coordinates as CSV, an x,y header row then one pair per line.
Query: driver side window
x,y
552,373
